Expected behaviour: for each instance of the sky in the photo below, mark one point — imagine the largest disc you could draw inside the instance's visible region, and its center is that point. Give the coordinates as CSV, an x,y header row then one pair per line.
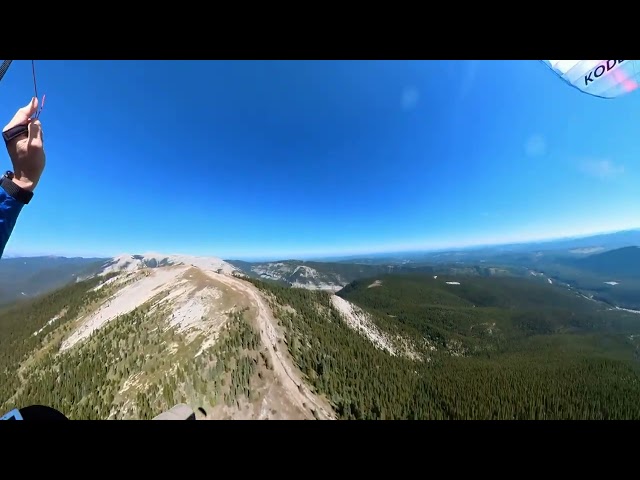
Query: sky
x,y
296,159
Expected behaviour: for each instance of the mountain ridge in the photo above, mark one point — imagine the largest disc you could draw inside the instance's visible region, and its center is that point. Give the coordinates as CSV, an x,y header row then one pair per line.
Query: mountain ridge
x,y
196,311
148,331
621,262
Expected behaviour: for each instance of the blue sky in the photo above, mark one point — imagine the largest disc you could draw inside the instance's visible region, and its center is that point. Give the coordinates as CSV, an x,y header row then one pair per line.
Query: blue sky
x,y
298,159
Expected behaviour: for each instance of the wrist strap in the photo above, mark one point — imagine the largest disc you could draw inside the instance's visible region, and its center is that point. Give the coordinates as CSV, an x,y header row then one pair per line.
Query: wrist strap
x,y
19,193
15,132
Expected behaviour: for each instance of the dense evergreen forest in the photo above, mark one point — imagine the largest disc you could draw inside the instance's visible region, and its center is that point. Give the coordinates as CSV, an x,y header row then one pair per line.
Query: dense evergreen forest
x,y
124,370
19,323
550,354
488,348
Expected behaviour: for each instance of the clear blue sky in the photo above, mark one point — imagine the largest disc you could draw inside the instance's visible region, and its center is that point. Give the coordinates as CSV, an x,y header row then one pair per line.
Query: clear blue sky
x,y
294,159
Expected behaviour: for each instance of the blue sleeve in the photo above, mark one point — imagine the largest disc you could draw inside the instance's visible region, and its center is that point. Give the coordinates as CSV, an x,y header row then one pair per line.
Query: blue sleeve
x,y
10,208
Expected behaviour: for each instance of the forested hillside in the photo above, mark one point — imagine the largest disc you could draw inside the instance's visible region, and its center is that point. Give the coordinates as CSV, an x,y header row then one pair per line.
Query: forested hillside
x,y
134,367
622,262
612,276
507,350
473,347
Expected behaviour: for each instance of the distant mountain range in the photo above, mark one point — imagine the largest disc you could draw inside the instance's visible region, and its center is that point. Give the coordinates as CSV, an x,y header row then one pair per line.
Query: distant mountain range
x,y
332,276
574,246
606,266
620,263
24,277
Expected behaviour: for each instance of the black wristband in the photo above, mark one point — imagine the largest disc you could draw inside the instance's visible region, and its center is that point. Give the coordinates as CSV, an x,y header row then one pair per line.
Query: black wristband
x,y
17,192
15,132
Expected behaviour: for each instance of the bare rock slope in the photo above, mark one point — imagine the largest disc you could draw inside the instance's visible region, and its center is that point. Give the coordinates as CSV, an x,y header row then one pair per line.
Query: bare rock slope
x,y
209,320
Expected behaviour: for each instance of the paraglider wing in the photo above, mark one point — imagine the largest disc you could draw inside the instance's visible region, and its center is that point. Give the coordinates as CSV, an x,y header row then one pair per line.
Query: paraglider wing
x,y
4,67
600,78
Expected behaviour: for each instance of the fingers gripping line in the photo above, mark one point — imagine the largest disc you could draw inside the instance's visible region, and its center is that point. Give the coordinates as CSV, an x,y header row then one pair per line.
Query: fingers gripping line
x,y
22,129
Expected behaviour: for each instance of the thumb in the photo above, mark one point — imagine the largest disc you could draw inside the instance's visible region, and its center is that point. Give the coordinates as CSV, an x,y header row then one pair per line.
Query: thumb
x,y
30,108
23,114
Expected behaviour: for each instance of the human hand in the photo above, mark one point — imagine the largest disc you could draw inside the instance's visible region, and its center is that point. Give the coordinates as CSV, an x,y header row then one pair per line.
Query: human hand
x,y
27,150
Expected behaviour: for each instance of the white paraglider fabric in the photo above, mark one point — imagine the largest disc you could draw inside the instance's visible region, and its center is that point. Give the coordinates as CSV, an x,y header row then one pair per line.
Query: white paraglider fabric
x,y
601,78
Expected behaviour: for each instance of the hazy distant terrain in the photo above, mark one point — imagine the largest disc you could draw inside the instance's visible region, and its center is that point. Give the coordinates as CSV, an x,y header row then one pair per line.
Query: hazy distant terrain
x,y
619,263
333,276
29,276
314,275
612,276
511,254
605,266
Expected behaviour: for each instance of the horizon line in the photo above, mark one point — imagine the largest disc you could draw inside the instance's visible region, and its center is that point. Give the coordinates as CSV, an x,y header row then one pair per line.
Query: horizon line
x,y
321,256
